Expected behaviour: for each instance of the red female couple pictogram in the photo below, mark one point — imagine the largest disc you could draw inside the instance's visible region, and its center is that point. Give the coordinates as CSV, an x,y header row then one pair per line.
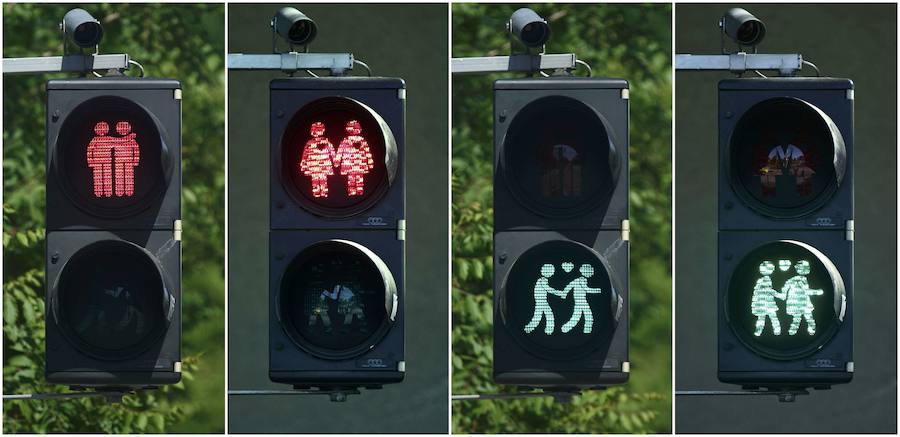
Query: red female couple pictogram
x,y
113,160
353,159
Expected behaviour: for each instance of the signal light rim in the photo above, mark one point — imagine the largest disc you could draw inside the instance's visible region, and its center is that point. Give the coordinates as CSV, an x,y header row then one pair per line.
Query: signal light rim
x,y
60,320
822,199
286,168
834,326
391,296
615,300
597,200
58,164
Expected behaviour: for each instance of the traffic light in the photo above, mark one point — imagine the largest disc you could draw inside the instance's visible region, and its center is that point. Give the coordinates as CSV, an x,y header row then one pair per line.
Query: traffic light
x,y
113,261
785,232
561,232
337,230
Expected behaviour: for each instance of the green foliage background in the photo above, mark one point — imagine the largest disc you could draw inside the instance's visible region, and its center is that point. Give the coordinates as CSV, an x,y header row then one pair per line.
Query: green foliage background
x,y
625,41
181,41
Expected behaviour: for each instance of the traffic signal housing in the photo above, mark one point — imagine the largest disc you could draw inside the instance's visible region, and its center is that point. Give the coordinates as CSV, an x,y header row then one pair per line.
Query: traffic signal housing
x,y
337,230
785,232
113,250
561,232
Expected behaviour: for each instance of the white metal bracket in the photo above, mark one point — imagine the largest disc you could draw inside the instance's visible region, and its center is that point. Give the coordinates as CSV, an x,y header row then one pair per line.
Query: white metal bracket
x,y
65,64
515,63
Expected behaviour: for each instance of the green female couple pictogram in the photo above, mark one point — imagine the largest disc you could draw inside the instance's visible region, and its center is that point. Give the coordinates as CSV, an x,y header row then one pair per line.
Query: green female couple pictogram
x,y
795,292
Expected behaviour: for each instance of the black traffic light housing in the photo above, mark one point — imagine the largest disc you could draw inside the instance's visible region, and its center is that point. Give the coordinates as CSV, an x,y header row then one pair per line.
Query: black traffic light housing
x,y
121,241
569,216
786,191
318,230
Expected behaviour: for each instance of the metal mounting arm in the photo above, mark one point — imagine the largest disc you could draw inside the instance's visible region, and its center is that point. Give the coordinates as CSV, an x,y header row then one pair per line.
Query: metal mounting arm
x,y
338,63
786,64
65,64
514,63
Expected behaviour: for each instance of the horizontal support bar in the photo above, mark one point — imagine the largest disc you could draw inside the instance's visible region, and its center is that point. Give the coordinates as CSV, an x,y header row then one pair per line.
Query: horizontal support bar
x,y
65,64
787,64
515,63
783,395
291,62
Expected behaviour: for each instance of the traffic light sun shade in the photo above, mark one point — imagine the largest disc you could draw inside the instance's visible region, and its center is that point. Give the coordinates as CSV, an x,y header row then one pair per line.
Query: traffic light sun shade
x,y
113,299
787,158
785,299
339,157
336,299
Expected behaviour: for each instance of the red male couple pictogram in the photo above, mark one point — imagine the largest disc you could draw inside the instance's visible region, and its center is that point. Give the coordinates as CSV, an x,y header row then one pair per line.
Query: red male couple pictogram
x,y
110,155
353,159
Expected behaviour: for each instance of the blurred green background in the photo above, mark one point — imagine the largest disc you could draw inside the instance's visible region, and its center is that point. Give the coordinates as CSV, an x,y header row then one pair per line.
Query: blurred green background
x,y
180,41
632,42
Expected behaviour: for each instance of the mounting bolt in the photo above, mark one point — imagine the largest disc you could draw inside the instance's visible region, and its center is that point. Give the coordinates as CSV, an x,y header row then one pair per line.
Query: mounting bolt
x,y
280,113
728,114
502,258
54,258
56,115
787,397
728,257
503,115
338,396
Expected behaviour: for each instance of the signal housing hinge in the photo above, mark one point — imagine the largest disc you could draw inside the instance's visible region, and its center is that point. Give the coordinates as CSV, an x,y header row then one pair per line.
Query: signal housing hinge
x,y
849,230
626,230
401,229
177,230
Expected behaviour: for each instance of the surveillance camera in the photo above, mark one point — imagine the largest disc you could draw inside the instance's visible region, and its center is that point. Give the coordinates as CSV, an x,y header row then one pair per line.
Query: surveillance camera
x,y
743,27
529,28
82,29
294,26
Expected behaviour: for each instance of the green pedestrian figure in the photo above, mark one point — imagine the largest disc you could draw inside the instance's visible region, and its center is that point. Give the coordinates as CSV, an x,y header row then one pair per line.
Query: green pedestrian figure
x,y
762,304
798,304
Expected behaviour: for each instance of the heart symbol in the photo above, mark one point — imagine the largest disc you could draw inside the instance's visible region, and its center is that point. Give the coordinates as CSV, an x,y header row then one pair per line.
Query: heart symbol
x,y
568,267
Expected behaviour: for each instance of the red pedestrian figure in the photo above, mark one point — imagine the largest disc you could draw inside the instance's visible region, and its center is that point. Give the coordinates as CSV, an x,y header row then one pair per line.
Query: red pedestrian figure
x,y
113,157
317,160
127,157
354,158
99,159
